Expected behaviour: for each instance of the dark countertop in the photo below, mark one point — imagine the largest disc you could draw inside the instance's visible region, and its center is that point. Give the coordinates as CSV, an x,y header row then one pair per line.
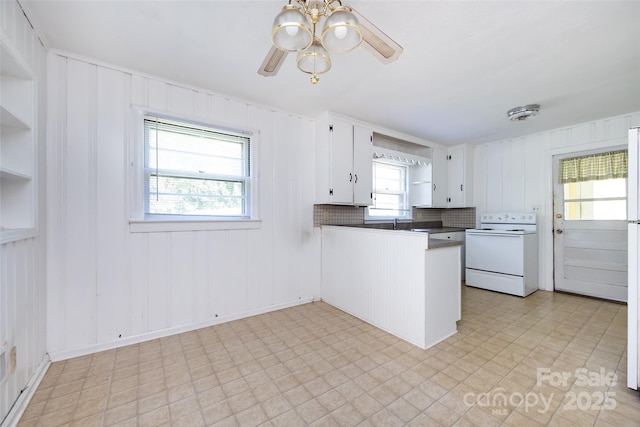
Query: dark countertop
x,y
434,227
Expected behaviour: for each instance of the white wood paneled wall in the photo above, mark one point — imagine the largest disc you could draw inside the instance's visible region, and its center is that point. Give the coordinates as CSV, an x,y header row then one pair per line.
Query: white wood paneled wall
x,y
22,263
516,174
378,276
108,286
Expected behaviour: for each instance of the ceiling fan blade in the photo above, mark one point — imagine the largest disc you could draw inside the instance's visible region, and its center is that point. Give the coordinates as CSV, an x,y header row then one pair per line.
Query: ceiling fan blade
x,y
272,62
377,42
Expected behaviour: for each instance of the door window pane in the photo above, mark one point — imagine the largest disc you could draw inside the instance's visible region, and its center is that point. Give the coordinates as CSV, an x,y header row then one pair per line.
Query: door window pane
x,y
596,200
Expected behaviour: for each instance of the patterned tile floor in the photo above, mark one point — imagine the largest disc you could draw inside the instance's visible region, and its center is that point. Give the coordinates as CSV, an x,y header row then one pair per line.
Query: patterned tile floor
x,y
548,359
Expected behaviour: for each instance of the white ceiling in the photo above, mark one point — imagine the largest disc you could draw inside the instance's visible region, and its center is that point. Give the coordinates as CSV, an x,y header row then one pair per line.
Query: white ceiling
x,y
464,63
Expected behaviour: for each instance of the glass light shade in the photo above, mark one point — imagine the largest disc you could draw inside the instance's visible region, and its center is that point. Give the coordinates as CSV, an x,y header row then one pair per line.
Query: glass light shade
x,y
341,31
315,59
291,30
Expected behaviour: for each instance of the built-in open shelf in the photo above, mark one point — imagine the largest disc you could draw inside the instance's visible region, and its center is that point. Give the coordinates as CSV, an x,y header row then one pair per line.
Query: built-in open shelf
x,y
13,235
17,153
11,119
9,174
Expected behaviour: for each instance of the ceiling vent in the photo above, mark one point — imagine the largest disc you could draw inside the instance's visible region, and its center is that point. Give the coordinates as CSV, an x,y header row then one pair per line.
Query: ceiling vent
x,y
518,114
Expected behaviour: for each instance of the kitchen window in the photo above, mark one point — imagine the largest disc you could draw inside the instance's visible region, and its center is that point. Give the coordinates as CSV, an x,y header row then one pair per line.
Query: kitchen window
x,y
194,172
390,191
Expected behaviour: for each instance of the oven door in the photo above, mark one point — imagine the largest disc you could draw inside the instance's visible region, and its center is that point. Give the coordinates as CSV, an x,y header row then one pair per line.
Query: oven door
x,y
495,252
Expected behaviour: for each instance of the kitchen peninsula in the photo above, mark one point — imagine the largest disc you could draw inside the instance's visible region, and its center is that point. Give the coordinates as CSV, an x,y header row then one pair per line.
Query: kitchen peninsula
x,y
400,281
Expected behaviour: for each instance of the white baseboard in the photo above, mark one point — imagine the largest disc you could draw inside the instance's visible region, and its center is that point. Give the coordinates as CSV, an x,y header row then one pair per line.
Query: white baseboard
x,y
25,397
95,348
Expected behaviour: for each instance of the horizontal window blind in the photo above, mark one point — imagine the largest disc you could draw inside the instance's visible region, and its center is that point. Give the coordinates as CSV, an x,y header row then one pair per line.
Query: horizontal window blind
x,y
195,170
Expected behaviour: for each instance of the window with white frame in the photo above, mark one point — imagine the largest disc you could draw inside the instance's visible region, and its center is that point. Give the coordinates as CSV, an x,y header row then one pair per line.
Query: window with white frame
x,y
193,171
390,191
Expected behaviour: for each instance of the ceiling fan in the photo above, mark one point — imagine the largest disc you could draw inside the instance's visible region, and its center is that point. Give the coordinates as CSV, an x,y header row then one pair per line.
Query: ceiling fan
x,y
344,29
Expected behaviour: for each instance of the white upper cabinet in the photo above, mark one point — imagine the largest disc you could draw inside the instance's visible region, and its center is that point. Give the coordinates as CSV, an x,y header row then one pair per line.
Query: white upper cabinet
x,y
17,154
362,165
460,174
440,178
344,153
453,177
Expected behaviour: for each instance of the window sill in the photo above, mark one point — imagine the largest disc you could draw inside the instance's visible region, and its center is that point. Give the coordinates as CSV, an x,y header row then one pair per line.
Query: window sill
x,y
156,226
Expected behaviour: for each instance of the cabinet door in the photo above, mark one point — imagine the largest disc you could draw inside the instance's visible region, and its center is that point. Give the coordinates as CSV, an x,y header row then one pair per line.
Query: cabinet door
x,y
341,161
440,178
456,178
362,166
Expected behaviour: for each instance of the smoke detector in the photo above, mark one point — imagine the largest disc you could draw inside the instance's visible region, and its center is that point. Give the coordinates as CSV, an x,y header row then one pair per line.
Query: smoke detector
x,y
521,113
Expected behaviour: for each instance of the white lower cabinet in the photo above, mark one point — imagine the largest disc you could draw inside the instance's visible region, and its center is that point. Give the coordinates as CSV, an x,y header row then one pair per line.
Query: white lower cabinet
x,y
458,236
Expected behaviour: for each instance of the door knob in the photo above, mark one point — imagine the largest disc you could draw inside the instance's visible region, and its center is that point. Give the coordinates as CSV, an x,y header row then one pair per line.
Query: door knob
x,y
559,231
558,216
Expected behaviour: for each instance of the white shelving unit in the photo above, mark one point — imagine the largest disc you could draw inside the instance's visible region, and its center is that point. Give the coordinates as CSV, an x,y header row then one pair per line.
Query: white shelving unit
x,y
17,154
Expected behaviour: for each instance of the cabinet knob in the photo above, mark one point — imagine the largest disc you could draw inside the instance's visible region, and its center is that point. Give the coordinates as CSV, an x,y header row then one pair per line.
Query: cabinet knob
x,y
356,178
350,177
460,187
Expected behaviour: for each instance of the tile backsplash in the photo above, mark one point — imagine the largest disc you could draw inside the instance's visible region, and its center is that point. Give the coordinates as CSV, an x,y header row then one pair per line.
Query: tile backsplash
x,y
351,215
337,215
459,217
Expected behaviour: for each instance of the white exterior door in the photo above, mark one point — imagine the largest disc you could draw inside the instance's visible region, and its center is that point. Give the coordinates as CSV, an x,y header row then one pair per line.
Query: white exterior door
x,y
590,237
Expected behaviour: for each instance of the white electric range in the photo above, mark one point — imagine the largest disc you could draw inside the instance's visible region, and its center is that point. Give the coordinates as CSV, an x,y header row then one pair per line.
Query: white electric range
x,y
502,254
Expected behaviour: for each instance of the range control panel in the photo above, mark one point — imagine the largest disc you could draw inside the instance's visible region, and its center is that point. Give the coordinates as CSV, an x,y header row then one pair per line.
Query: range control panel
x,y
508,218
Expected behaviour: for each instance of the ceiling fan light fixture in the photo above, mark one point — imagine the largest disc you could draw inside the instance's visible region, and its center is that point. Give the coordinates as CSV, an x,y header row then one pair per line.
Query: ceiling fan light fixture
x,y
518,114
341,32
291,30
314,60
